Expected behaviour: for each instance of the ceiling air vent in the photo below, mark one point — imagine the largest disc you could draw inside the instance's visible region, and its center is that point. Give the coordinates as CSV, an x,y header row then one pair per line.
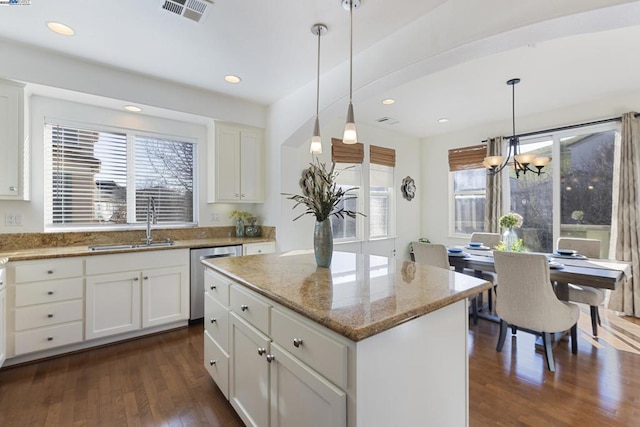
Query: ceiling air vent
x,y
387,121
192,9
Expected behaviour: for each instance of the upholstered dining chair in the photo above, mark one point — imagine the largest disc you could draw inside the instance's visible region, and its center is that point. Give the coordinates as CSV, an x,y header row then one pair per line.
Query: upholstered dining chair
x,y
593,297
490,240
436,255
526,300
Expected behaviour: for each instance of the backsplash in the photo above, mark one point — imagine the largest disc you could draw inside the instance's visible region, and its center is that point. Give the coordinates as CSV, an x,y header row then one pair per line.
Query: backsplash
x,y
18,241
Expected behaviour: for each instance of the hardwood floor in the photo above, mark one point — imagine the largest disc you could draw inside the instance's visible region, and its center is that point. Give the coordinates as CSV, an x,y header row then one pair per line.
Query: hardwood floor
x,y
160,380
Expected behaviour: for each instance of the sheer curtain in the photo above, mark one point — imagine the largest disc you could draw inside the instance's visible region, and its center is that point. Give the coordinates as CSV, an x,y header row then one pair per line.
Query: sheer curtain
x,y
625,217
493,198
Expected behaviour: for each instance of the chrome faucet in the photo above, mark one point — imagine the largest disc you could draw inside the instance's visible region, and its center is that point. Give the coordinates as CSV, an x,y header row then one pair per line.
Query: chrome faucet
x,y
152,216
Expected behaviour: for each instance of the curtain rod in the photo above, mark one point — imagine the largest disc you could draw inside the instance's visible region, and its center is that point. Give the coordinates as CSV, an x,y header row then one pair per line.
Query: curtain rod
x,y
538,132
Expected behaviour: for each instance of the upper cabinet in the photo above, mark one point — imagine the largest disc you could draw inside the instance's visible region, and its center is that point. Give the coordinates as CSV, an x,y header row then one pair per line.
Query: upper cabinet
x,y
237,165
11,140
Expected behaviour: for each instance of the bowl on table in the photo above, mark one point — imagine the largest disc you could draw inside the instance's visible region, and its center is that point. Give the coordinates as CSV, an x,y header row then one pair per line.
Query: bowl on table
x,y
475,244
454,251
566,252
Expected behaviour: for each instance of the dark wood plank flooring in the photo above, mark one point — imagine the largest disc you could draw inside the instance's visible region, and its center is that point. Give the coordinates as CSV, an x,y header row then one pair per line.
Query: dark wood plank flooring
x,y
160,380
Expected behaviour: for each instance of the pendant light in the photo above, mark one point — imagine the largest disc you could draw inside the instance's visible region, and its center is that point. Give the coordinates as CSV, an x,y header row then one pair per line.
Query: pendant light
x,y
521,162
316,141
350,135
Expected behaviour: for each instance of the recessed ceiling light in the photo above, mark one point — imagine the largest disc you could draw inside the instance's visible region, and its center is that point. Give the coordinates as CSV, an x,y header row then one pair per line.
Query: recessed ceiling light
x,y
388,101
443,120
232,79
61,29
132,108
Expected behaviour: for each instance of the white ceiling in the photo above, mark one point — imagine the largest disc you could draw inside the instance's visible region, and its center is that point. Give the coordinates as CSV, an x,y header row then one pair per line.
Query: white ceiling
x,y
269,44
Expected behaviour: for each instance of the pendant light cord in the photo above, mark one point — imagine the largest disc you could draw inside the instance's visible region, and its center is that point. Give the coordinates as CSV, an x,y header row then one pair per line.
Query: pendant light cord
x,y
350,50
513,109
318,74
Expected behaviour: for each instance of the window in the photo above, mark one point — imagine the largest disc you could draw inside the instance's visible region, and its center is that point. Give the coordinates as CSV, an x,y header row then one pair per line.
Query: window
x,y
469,200
104,177
380,201
349,176
583,186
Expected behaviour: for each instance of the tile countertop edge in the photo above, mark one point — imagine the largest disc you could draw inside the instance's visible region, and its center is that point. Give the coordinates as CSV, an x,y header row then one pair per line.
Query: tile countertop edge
x,y
356,334
77,251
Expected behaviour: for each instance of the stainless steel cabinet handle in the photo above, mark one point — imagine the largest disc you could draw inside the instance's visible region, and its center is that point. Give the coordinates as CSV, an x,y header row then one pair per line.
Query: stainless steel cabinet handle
x,y
135,279
146,277
213,320
244,307
212,287
297,342
212,362
12,188
50,315
270,358
49,338
49,271
261,351
50,293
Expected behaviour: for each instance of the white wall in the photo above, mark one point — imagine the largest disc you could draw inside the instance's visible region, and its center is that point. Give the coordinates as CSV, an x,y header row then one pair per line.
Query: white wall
x,y
299,234
434,153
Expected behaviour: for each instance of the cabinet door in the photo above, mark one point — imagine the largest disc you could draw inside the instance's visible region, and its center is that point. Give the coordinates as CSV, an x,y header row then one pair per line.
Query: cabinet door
x,y
165,296
112,304
3,325
249,373
11,118
301,397
251,161
227,177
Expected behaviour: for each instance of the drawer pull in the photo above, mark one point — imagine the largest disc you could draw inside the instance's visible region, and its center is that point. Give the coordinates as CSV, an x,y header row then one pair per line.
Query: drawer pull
x,y
49,292
50,315
49,338
244,307
212,287
212,362
270,358
297,342
213,320
261,351
49,271
146,277
135,279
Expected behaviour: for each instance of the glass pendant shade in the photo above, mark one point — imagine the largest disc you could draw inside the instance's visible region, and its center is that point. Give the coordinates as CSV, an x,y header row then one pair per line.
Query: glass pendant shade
x,y
316,141
350,135
526,158
494,161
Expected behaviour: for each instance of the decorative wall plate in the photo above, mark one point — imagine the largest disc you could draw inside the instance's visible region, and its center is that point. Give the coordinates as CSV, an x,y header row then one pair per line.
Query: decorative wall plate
x,y
408,188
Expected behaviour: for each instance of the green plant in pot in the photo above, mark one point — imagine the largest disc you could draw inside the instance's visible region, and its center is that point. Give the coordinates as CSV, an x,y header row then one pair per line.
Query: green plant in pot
x,y
321,197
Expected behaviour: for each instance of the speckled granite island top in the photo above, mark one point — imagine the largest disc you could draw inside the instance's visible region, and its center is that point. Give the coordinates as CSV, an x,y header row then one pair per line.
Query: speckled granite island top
x,y
358,296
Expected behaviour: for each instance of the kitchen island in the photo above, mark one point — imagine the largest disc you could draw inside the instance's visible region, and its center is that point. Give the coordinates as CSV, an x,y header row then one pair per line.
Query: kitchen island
x,y
371,341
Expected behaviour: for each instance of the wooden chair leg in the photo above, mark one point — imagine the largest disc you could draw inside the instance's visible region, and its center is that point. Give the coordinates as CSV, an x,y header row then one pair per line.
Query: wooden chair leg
x,y
548,350
503,335
574,339
594,320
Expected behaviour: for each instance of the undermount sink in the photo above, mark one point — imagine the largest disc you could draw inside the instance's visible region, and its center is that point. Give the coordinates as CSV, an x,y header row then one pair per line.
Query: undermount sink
x,y
133,246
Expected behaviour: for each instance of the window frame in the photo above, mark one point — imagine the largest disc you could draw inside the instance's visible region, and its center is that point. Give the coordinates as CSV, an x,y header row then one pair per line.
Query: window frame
x,y
452,203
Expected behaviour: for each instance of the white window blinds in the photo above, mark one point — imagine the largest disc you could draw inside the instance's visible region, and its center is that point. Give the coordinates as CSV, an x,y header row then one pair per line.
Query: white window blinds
x,y
104,178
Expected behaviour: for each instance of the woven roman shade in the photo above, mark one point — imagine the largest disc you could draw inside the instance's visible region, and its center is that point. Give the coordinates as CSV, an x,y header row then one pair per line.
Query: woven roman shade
x,y
382,156
467,157
346,153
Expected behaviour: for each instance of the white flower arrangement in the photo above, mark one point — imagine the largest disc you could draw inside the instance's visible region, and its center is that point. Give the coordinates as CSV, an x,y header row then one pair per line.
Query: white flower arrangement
x,y
511,220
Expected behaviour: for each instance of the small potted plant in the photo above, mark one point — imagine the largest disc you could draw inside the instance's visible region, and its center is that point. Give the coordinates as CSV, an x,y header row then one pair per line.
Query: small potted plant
x,y
240,217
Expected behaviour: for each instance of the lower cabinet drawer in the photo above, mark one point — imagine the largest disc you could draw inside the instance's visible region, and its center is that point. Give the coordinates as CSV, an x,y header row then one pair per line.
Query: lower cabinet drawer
x,y
48,314
49,337
250,307
216,361
322,353
49,291
216,321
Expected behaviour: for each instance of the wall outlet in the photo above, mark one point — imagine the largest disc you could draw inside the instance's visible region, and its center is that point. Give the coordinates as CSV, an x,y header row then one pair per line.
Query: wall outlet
x,y
215,217
13,219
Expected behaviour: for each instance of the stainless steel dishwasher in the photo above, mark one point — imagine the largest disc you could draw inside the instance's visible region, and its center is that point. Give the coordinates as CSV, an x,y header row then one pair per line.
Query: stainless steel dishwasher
x,y
197,275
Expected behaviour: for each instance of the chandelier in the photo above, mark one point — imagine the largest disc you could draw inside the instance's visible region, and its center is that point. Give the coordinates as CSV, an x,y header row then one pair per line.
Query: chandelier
x,y
522,162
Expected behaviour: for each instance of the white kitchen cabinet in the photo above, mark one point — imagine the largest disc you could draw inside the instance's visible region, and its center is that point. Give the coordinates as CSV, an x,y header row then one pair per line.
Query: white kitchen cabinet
x,y
126,292
302,397
249,373
3,323
237,165
47,309
11,140
258,248
165,296
112,304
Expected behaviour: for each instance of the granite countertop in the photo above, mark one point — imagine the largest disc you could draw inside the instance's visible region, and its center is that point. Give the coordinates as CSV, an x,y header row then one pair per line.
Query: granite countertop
x,y
48,252
358,296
